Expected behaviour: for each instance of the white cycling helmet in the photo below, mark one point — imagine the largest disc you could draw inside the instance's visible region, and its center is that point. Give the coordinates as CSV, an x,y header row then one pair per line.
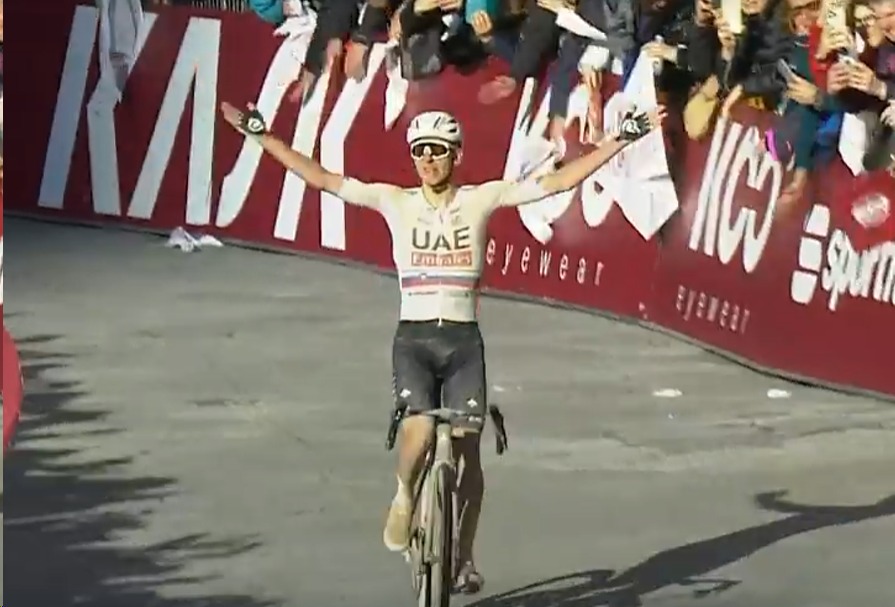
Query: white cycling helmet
x,y
435,126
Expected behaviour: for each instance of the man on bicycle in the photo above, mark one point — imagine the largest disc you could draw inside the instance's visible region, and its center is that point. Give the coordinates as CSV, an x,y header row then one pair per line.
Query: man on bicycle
x,y
438,237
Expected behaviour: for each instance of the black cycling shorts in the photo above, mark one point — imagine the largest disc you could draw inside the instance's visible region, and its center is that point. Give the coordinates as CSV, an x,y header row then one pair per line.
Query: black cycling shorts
x,y
441,365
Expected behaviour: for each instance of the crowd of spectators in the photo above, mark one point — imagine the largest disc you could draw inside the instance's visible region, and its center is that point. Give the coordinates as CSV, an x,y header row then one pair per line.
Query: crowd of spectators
x,y
809,62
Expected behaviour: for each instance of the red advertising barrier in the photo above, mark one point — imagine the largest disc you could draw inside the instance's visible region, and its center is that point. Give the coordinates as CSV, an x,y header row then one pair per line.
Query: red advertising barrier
x,y
12,388
788,291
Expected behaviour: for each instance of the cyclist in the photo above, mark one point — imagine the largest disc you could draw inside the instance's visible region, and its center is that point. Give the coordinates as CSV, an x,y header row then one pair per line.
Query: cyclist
x,y
438,238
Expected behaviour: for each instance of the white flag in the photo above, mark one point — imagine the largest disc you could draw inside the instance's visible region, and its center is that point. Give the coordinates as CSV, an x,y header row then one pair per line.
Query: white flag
x,y
119,24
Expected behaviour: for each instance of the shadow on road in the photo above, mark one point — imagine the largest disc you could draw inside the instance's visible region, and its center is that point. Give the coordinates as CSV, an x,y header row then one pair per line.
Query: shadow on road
x,y
686,565
64,516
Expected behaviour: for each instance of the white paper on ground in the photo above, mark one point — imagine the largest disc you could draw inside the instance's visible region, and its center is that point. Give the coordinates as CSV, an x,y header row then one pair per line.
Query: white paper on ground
x,y
186,242
775,393
668,393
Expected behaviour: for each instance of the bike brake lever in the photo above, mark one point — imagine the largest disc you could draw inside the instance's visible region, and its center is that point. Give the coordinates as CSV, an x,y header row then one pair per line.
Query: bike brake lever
x,y
500,430
394,424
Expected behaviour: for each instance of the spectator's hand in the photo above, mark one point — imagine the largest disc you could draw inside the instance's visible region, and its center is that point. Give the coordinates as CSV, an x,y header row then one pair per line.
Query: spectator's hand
x,y
554,6
802,92
332,53
792,193
594,127
591,79
660,50
834,38
888,116
449,6
498,89
838,77
705,13
354,60
557,130
864,79
305,84
735,95
424,6
395,32
726,37
482,25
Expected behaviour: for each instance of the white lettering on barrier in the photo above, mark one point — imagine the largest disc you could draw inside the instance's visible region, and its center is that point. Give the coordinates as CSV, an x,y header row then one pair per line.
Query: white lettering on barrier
x,y
729,157
712,309
867,274
585,271
236,185
69,101
196,67
332,148
196,62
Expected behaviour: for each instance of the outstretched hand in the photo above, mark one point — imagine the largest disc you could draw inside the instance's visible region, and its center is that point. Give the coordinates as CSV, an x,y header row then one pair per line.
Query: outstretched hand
x,y
250,122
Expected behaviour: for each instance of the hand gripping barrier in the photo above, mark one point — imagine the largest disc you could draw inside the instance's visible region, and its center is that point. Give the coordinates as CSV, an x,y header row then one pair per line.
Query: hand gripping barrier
x,y
791,291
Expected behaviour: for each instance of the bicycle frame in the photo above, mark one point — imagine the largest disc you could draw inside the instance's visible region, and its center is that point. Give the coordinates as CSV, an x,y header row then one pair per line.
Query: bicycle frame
x,y
441,456
425,557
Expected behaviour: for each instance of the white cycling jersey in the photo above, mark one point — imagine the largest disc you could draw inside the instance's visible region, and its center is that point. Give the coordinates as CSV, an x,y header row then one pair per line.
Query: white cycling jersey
x,y
439,251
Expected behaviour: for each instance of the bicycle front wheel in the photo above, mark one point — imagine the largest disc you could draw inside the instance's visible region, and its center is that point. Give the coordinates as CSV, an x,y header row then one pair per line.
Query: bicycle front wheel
x,y
441,564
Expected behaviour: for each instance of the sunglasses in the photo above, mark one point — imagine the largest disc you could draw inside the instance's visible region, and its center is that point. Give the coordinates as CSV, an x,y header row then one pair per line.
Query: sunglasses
x,y
435,150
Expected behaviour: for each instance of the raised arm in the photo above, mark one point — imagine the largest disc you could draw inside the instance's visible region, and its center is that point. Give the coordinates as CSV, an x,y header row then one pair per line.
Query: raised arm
x,y
532,189
377,196
632,128
251,124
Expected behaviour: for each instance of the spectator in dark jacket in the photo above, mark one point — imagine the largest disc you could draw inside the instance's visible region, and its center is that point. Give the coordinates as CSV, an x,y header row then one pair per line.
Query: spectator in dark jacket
x,y
878,80
565,74
373,26
648,20
538,40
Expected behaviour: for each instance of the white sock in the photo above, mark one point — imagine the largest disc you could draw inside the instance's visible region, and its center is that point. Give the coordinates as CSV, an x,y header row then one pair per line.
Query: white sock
x,y
402,495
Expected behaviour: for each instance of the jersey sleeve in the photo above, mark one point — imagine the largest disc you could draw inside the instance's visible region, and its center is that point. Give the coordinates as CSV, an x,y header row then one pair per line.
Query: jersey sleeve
x,y
515,193
370,195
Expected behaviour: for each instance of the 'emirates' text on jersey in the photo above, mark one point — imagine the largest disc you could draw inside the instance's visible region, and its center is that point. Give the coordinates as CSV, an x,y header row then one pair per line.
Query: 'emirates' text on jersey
x,y
439,251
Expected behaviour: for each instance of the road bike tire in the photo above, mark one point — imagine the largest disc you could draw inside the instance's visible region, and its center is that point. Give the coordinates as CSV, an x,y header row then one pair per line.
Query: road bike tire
x,y
441,569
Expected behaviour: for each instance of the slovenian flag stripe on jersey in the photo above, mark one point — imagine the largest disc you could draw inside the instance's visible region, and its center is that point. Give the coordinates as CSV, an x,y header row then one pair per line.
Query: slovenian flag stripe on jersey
x,y
434,279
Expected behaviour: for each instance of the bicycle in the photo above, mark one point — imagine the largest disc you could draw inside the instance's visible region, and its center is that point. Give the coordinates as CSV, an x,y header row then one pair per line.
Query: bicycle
x,y
432,552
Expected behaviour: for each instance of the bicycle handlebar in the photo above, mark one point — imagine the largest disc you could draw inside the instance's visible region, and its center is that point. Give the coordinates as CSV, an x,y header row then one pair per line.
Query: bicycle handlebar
x,y
445,416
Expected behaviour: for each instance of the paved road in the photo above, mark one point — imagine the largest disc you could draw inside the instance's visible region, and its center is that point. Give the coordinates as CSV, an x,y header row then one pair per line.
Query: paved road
x,y
206,430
